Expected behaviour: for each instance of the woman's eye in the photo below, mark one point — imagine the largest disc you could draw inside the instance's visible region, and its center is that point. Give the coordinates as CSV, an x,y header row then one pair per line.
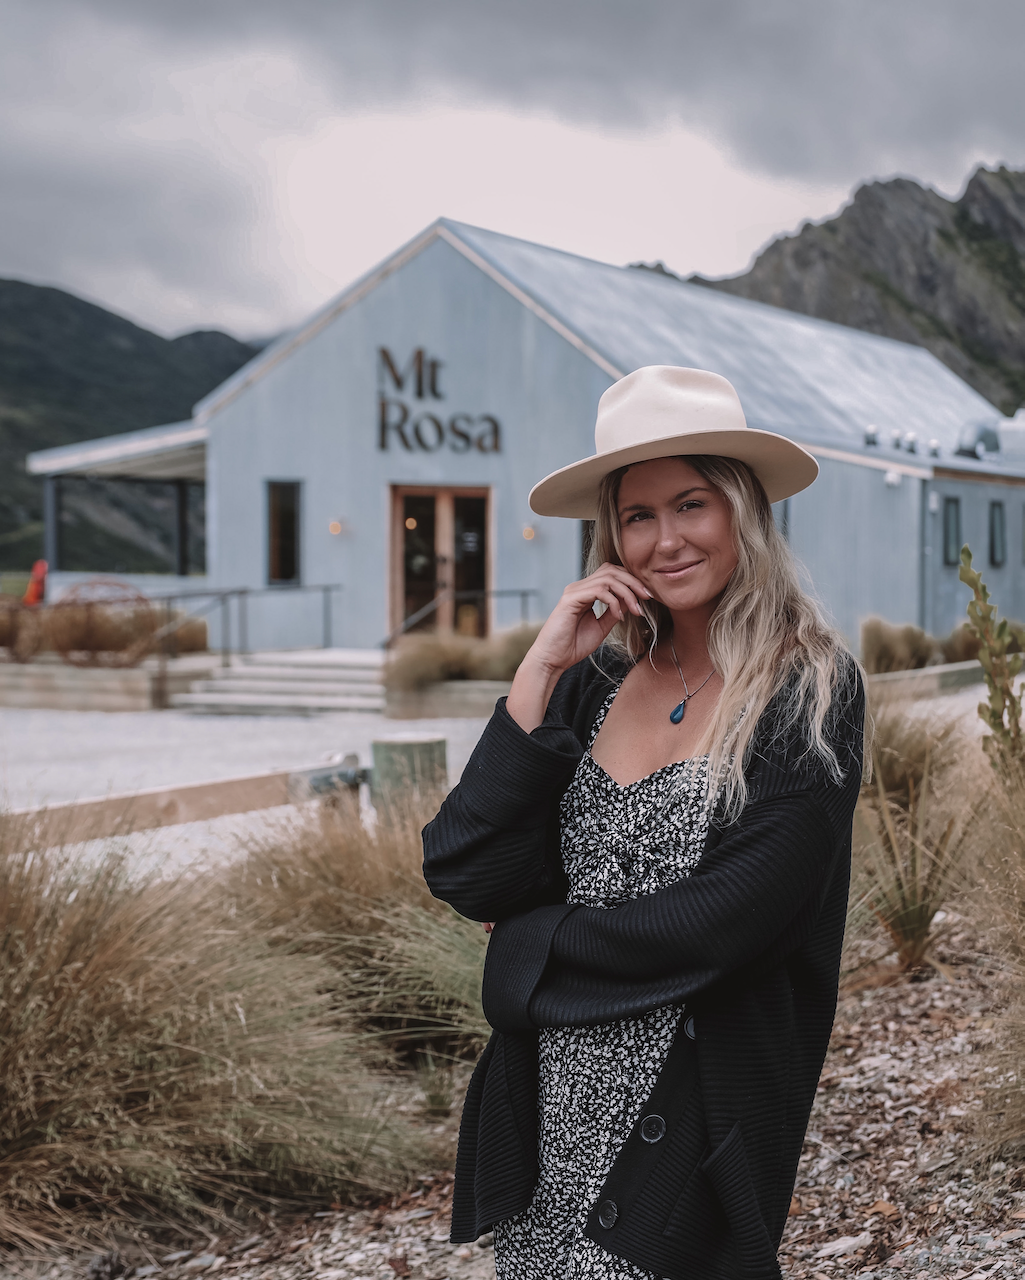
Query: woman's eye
x,y
638,515
691,505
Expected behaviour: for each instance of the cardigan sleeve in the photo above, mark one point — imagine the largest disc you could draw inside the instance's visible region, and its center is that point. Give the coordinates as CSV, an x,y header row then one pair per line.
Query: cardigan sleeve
x,y
488,852
753,898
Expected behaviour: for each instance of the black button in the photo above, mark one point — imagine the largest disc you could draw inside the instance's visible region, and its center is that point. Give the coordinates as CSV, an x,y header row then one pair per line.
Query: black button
x,y
608,1212
653,1128
688,1027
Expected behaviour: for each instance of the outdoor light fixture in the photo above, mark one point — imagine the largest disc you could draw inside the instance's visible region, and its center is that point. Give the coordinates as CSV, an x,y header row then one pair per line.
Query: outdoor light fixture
x,y
410,523
871,435
335,526
528,532
895,438
892,479
934,448
911,442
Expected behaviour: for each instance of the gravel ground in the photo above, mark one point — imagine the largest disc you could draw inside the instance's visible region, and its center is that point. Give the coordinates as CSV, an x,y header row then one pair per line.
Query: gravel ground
x,y
891,1185
53,756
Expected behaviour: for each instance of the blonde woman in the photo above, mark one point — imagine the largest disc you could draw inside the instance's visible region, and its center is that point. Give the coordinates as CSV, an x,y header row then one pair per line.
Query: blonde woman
x,y
658,821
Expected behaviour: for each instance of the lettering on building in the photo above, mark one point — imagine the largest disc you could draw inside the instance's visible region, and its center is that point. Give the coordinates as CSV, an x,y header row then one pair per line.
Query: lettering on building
x,y
410,417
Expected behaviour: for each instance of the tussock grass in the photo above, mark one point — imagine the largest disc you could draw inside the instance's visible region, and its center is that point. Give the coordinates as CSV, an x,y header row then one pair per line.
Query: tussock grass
x,y
914,832
420,660
163,1059
406,968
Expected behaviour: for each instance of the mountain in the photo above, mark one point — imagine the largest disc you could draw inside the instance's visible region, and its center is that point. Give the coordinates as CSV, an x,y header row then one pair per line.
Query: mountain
x,y
70,371
902,261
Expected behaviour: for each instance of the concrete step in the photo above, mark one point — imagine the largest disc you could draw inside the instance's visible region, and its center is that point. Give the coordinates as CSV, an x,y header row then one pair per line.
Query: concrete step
x,y
300,678
303,659
270,704
368,693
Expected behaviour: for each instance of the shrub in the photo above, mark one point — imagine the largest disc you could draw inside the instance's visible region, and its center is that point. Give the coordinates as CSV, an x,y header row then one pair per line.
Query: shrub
x,y
406,968
1002,664
906,736
885,647
159,1054
420,660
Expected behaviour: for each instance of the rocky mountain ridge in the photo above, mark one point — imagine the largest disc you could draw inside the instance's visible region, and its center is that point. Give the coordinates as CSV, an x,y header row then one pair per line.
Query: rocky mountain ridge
x,y
903,261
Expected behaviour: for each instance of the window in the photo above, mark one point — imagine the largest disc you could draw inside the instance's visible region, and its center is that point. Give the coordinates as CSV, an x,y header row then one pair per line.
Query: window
x,y
997,535
282,531
951,530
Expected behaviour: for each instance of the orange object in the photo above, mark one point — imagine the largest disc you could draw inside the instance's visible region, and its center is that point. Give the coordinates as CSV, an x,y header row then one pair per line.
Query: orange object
x,y
35,592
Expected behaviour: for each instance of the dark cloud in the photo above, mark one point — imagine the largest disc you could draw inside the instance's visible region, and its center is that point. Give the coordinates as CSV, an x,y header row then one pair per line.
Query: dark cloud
x,y
103,185
805,88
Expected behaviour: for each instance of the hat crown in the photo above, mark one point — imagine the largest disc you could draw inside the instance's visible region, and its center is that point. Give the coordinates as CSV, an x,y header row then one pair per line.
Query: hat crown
x,y
662,401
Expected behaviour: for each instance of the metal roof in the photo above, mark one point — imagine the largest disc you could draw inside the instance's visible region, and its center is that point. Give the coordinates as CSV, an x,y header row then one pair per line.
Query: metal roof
x,y
817,381
176,451
821,383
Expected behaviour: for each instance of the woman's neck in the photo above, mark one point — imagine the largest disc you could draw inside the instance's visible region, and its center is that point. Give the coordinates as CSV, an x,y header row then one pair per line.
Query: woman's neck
x,y
690,635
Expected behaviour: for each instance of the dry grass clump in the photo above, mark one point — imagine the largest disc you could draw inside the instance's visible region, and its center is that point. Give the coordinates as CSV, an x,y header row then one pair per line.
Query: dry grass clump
x,y
420,660
886,647
913,830
406,968
161,1059
98,628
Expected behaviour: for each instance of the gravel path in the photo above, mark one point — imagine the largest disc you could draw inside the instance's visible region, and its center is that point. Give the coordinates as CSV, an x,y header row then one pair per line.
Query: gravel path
x,y
52,756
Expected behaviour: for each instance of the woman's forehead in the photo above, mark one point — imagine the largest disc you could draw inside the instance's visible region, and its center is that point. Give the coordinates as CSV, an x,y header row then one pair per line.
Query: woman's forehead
x,y
660,473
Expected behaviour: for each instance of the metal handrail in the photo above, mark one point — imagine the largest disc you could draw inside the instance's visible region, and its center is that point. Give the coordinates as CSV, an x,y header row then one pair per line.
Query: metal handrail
x,y
443,597
222,596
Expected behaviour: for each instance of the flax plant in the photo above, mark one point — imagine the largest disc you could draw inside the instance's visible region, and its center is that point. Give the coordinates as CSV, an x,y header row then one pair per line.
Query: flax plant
x,y
913,857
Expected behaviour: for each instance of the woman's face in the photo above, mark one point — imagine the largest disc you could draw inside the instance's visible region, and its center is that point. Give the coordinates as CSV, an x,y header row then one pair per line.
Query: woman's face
x,y
674,528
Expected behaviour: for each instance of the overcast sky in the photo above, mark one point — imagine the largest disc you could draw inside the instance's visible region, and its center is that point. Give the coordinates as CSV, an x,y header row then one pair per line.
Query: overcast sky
x,y
233,163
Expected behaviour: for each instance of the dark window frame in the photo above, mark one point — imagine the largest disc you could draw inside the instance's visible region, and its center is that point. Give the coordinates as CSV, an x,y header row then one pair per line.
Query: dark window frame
x,y
952,531
997,534
277,554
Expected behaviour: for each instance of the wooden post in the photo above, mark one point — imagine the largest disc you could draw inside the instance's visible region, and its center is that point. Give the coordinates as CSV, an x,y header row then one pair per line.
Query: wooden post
x,y
408,767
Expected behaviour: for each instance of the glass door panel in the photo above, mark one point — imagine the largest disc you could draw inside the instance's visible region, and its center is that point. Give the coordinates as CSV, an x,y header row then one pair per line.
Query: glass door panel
x,y
471,564
419,557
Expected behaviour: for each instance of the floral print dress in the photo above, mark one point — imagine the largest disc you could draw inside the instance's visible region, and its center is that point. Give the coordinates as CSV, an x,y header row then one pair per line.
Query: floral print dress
x,y
618,843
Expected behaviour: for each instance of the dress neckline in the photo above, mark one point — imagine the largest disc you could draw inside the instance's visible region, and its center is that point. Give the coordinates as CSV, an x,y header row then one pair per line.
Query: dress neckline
x,y
599,720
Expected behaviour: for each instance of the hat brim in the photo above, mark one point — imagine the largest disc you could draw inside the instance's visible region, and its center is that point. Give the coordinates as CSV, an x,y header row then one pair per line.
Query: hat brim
x,y
784,468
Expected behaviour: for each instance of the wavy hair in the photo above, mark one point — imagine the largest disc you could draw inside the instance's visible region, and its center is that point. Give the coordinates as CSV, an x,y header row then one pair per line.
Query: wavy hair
x,y
766,637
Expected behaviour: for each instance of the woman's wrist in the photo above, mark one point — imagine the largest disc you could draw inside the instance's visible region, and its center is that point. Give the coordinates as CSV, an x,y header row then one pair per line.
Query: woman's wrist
x,y
532,688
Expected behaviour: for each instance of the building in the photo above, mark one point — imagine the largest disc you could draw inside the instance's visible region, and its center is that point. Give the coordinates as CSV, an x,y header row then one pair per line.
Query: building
x,y
389,444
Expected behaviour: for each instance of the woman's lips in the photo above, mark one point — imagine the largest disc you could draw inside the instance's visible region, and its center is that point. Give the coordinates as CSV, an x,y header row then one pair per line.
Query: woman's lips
x,y
678,570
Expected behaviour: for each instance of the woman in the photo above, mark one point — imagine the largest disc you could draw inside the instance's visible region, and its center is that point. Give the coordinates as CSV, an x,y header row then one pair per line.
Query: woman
x,y
659,819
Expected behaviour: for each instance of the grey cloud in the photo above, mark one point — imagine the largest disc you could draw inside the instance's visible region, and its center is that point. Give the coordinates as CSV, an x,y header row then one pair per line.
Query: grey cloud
x,y
807,89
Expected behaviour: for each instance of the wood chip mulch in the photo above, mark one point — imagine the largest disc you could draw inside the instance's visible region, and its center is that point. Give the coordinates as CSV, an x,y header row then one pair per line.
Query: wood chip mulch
x,y
892,1182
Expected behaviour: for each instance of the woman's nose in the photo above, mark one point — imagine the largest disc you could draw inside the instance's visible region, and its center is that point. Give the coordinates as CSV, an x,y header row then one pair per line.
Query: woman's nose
x,y
669,535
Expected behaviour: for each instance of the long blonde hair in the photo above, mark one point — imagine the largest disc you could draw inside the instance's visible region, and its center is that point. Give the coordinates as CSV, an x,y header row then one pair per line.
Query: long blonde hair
x,y
766,636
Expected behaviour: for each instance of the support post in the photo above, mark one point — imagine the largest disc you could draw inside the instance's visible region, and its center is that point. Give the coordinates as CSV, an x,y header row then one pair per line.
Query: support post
x,y
243,620
51,522
326,600
225,629
181,528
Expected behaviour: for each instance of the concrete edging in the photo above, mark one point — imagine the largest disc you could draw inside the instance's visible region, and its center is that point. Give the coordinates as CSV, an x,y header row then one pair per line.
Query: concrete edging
x,y
927,682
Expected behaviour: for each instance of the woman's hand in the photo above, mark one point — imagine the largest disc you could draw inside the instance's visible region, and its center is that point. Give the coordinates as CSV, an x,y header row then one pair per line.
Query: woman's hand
x,y
570,634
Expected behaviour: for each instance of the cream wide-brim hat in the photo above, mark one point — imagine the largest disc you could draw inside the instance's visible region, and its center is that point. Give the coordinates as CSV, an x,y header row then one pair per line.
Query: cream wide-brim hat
x,y
663,411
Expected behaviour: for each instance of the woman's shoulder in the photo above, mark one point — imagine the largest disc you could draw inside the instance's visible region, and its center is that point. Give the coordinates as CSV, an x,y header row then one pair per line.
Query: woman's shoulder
x,y
585,683
786,733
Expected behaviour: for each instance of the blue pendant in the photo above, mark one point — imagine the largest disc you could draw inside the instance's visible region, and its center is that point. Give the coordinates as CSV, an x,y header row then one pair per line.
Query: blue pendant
x,y
676,715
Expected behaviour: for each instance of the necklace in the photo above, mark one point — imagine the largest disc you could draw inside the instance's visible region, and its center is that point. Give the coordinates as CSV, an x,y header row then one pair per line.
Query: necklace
x,y
677,713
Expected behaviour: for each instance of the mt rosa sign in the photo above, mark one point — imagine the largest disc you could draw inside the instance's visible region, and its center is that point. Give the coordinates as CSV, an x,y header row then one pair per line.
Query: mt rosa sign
x,y
410,414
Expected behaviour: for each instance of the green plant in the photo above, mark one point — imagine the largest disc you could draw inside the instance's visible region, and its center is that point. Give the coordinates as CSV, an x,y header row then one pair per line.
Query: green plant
x,y
912,858
1001,666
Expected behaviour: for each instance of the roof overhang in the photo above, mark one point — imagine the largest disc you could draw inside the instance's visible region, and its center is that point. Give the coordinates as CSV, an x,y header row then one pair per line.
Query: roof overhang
x,y
173,452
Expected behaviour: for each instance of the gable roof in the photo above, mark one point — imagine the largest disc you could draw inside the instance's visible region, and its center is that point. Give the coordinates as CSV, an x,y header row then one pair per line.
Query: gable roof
x,y
812,380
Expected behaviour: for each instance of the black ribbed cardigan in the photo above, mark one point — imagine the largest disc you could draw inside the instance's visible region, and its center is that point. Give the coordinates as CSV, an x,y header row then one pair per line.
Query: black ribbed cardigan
x,y
750,941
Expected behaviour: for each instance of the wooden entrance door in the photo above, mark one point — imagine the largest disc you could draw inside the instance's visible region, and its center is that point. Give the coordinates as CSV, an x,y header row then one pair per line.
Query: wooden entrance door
x,y
441,552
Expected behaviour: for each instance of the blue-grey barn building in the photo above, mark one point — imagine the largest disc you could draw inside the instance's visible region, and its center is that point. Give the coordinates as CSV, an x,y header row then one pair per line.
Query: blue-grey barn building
x,y
389,444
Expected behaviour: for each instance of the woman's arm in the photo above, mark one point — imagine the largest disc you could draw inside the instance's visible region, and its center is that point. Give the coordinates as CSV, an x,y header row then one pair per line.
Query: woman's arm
x,y
492,850
754,899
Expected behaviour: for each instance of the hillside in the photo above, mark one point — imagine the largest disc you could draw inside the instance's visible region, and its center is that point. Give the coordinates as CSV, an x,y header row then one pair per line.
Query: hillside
x,y
901,260
69,371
